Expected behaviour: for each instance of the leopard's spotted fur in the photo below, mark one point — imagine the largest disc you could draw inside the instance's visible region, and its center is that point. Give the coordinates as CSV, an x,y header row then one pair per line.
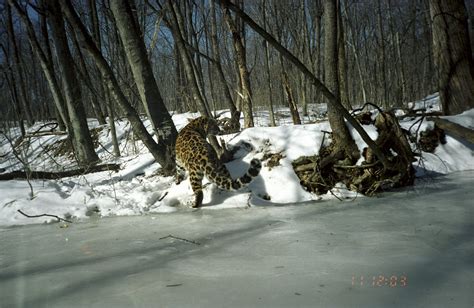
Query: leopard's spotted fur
x,y
198,157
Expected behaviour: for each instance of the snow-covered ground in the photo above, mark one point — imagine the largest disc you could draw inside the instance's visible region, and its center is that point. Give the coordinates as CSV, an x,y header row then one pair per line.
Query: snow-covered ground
x,y
137,189
411,248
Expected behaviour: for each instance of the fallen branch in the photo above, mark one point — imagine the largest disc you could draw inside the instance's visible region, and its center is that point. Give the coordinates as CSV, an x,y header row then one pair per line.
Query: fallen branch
x,y
44,215
163,196
454,129
45,133
180,239
357,166
44,175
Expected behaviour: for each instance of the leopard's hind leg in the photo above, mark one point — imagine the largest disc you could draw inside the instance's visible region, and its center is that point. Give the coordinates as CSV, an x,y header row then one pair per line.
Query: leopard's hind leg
x,y
195,178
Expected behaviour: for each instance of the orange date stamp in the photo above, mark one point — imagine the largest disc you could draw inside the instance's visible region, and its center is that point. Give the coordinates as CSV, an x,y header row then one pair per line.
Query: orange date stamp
x,y
392,281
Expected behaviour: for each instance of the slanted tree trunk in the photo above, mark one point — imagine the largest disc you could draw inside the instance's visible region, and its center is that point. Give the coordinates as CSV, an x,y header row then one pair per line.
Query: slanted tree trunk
x,y
19,78
333,100
108,102
452,55
80,135
94,96
176,23
150,95
295,115
46,62
14,98
160,153
241,58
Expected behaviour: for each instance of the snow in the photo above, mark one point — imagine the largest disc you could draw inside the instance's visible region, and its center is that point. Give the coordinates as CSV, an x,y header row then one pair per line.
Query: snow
x,y
137,189
239,250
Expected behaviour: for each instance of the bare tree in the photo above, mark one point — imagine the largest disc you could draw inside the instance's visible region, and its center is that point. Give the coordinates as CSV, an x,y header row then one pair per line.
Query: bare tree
x,y
80,135
150,95
244,74
17,74
333,100
176,24
344,144
235,114
452,54
162,154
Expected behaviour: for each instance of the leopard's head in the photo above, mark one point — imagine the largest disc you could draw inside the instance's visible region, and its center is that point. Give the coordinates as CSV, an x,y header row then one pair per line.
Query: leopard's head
x,y
206,126
211,127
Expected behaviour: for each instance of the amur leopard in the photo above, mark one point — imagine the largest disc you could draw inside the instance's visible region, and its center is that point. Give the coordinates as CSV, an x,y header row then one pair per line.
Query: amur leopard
x,y
198,157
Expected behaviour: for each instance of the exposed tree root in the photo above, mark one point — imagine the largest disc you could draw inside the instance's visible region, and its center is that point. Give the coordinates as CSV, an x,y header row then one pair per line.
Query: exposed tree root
x,y
320,173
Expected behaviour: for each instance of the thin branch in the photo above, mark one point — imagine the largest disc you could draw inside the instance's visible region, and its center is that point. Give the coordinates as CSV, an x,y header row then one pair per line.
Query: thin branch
x,y
180,239
44,215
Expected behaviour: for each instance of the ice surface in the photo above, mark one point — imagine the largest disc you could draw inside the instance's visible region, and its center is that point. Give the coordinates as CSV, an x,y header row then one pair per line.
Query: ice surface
x,y
302,255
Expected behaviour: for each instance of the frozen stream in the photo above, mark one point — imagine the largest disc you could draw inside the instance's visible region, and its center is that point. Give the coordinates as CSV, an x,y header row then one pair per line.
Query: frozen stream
x,y
320,254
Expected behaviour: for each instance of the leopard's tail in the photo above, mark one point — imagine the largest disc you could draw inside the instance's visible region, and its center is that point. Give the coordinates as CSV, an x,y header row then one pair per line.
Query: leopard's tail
x,y
222,178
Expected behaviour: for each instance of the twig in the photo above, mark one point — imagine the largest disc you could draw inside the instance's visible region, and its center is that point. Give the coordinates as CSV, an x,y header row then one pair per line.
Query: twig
x,y
367,104
43,215
179,238
8,203
163,196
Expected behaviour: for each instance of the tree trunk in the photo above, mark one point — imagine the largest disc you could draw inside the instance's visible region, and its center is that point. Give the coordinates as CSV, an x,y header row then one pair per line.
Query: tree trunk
x,y
340,134
177,27
160,153
14,98
143,75
94,96
295,116
241,58
383,93
452,54
80,135
333,100
342,62
111,115
267,68
235,114
46,62
19,78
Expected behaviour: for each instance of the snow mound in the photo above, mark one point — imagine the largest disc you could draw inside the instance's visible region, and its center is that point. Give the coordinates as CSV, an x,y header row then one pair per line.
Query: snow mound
x,y
137,188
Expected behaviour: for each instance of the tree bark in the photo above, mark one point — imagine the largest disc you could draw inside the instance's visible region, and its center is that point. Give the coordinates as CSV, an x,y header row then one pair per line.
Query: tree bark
x,y
295,115
341,60
267,68
142,73
19,78
160,153
452,54
235,114
80,135
177,26
333,100
241,58
340,134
